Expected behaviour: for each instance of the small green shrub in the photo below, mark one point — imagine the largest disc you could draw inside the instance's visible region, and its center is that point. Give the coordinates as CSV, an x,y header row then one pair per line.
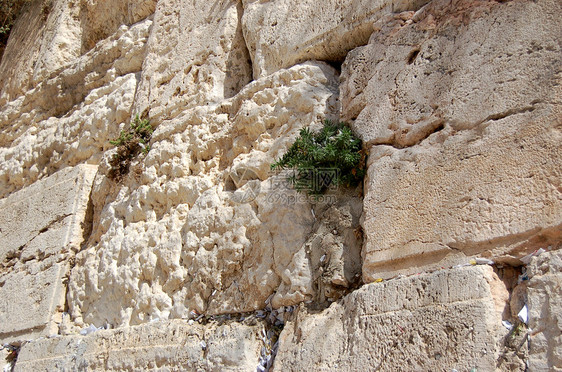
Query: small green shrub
x,y
129,144
331,157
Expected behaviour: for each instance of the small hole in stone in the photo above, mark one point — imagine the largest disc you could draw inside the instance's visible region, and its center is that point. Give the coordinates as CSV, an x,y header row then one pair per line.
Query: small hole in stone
x,y
413,55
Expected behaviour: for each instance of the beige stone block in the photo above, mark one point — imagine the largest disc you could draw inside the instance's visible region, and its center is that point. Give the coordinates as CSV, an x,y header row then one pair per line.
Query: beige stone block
x,y
430,322
41,227
69,117
545,312
452,64
463,195
45,38
280,34
464,136
30,300
196,56
46,218
163,346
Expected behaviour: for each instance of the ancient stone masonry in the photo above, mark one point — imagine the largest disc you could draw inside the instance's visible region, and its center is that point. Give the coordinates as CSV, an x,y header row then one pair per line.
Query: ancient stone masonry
x,y
460,104
42,227
201,258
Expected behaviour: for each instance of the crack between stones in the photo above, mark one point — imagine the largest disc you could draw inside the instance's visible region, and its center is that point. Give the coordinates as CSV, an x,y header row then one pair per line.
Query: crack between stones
x,y
441,124
50,224
505,114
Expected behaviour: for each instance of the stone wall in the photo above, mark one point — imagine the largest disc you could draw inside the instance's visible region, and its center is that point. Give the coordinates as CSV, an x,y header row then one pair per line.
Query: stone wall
x,y
201,258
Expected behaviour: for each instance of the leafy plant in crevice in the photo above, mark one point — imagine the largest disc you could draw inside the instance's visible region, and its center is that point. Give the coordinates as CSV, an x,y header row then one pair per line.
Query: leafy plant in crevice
x,y
129,144
329,158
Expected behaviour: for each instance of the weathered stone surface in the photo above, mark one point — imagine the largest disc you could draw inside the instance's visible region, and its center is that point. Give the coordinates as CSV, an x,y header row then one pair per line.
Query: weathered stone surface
x,y
545,312
449,64
70,117
178,235
99,19
162,346
196,57
41,227
280,34
488,182
430,322
51,35
459,104
32,301
45,38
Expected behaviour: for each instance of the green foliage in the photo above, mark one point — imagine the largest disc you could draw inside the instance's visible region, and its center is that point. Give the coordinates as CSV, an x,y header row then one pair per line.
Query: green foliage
x,y
331,157
129,144
9,10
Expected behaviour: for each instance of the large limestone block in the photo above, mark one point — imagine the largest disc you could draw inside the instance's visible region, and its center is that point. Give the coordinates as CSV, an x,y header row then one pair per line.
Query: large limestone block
x,y
462,115
162,346
45,38
456,64
46,218
280,34
81,136
545,312
196,56
70,117
41,227
32,301
431,322
184,230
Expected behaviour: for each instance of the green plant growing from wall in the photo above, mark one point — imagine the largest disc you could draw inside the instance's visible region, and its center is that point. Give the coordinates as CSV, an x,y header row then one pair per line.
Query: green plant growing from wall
x,y
129,144
331,157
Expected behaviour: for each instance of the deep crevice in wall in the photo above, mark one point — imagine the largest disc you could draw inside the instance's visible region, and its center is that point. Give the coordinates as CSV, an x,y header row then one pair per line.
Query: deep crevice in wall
x,y
239,63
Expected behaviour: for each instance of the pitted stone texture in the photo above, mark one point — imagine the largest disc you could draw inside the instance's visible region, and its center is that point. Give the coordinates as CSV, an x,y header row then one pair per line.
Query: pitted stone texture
x,y
185,230
488,181
162,346
101,18
41,227
70,117
80,136
56,94
280,34
545,312
456,64
432,322
196,56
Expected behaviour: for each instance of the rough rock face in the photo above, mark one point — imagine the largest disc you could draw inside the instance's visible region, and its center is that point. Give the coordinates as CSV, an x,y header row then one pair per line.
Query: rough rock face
x,y
196,57
165,346
460,106
545,302
41,229
69,117
405,324
458,103
183,221
328,30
